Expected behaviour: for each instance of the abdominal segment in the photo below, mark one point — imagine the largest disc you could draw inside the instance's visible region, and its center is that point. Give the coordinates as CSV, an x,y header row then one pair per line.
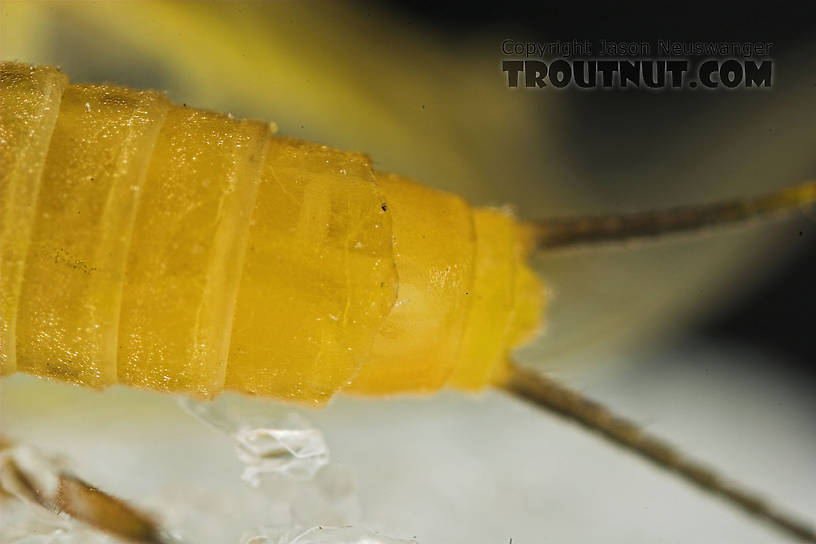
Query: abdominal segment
x,y
185,251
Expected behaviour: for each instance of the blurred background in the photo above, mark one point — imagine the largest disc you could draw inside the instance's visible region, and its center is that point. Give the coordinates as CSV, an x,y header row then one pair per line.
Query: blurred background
x,y
706,340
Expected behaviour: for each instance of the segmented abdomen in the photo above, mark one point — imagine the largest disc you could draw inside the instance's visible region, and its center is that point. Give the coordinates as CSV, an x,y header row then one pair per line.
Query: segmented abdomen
x,y
181,250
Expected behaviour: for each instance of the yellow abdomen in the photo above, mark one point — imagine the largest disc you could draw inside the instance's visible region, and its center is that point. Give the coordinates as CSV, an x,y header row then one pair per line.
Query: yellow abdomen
x,y
181,250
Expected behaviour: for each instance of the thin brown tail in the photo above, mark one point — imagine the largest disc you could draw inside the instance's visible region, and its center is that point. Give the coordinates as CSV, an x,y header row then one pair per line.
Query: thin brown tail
x,y
570,232
545,393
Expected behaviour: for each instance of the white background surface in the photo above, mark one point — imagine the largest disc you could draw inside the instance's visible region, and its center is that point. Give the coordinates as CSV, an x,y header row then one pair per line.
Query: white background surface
x,y
459,469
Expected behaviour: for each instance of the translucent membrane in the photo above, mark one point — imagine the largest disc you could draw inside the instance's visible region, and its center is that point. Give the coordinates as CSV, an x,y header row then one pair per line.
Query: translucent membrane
x,y
29,104
187,250
434,250
71,295
319,275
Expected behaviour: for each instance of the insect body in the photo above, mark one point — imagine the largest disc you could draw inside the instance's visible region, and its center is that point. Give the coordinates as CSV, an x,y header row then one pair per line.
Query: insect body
x,y
182,250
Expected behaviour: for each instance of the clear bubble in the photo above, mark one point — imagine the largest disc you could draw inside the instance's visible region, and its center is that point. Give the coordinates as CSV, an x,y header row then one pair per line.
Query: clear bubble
x,y
269,442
